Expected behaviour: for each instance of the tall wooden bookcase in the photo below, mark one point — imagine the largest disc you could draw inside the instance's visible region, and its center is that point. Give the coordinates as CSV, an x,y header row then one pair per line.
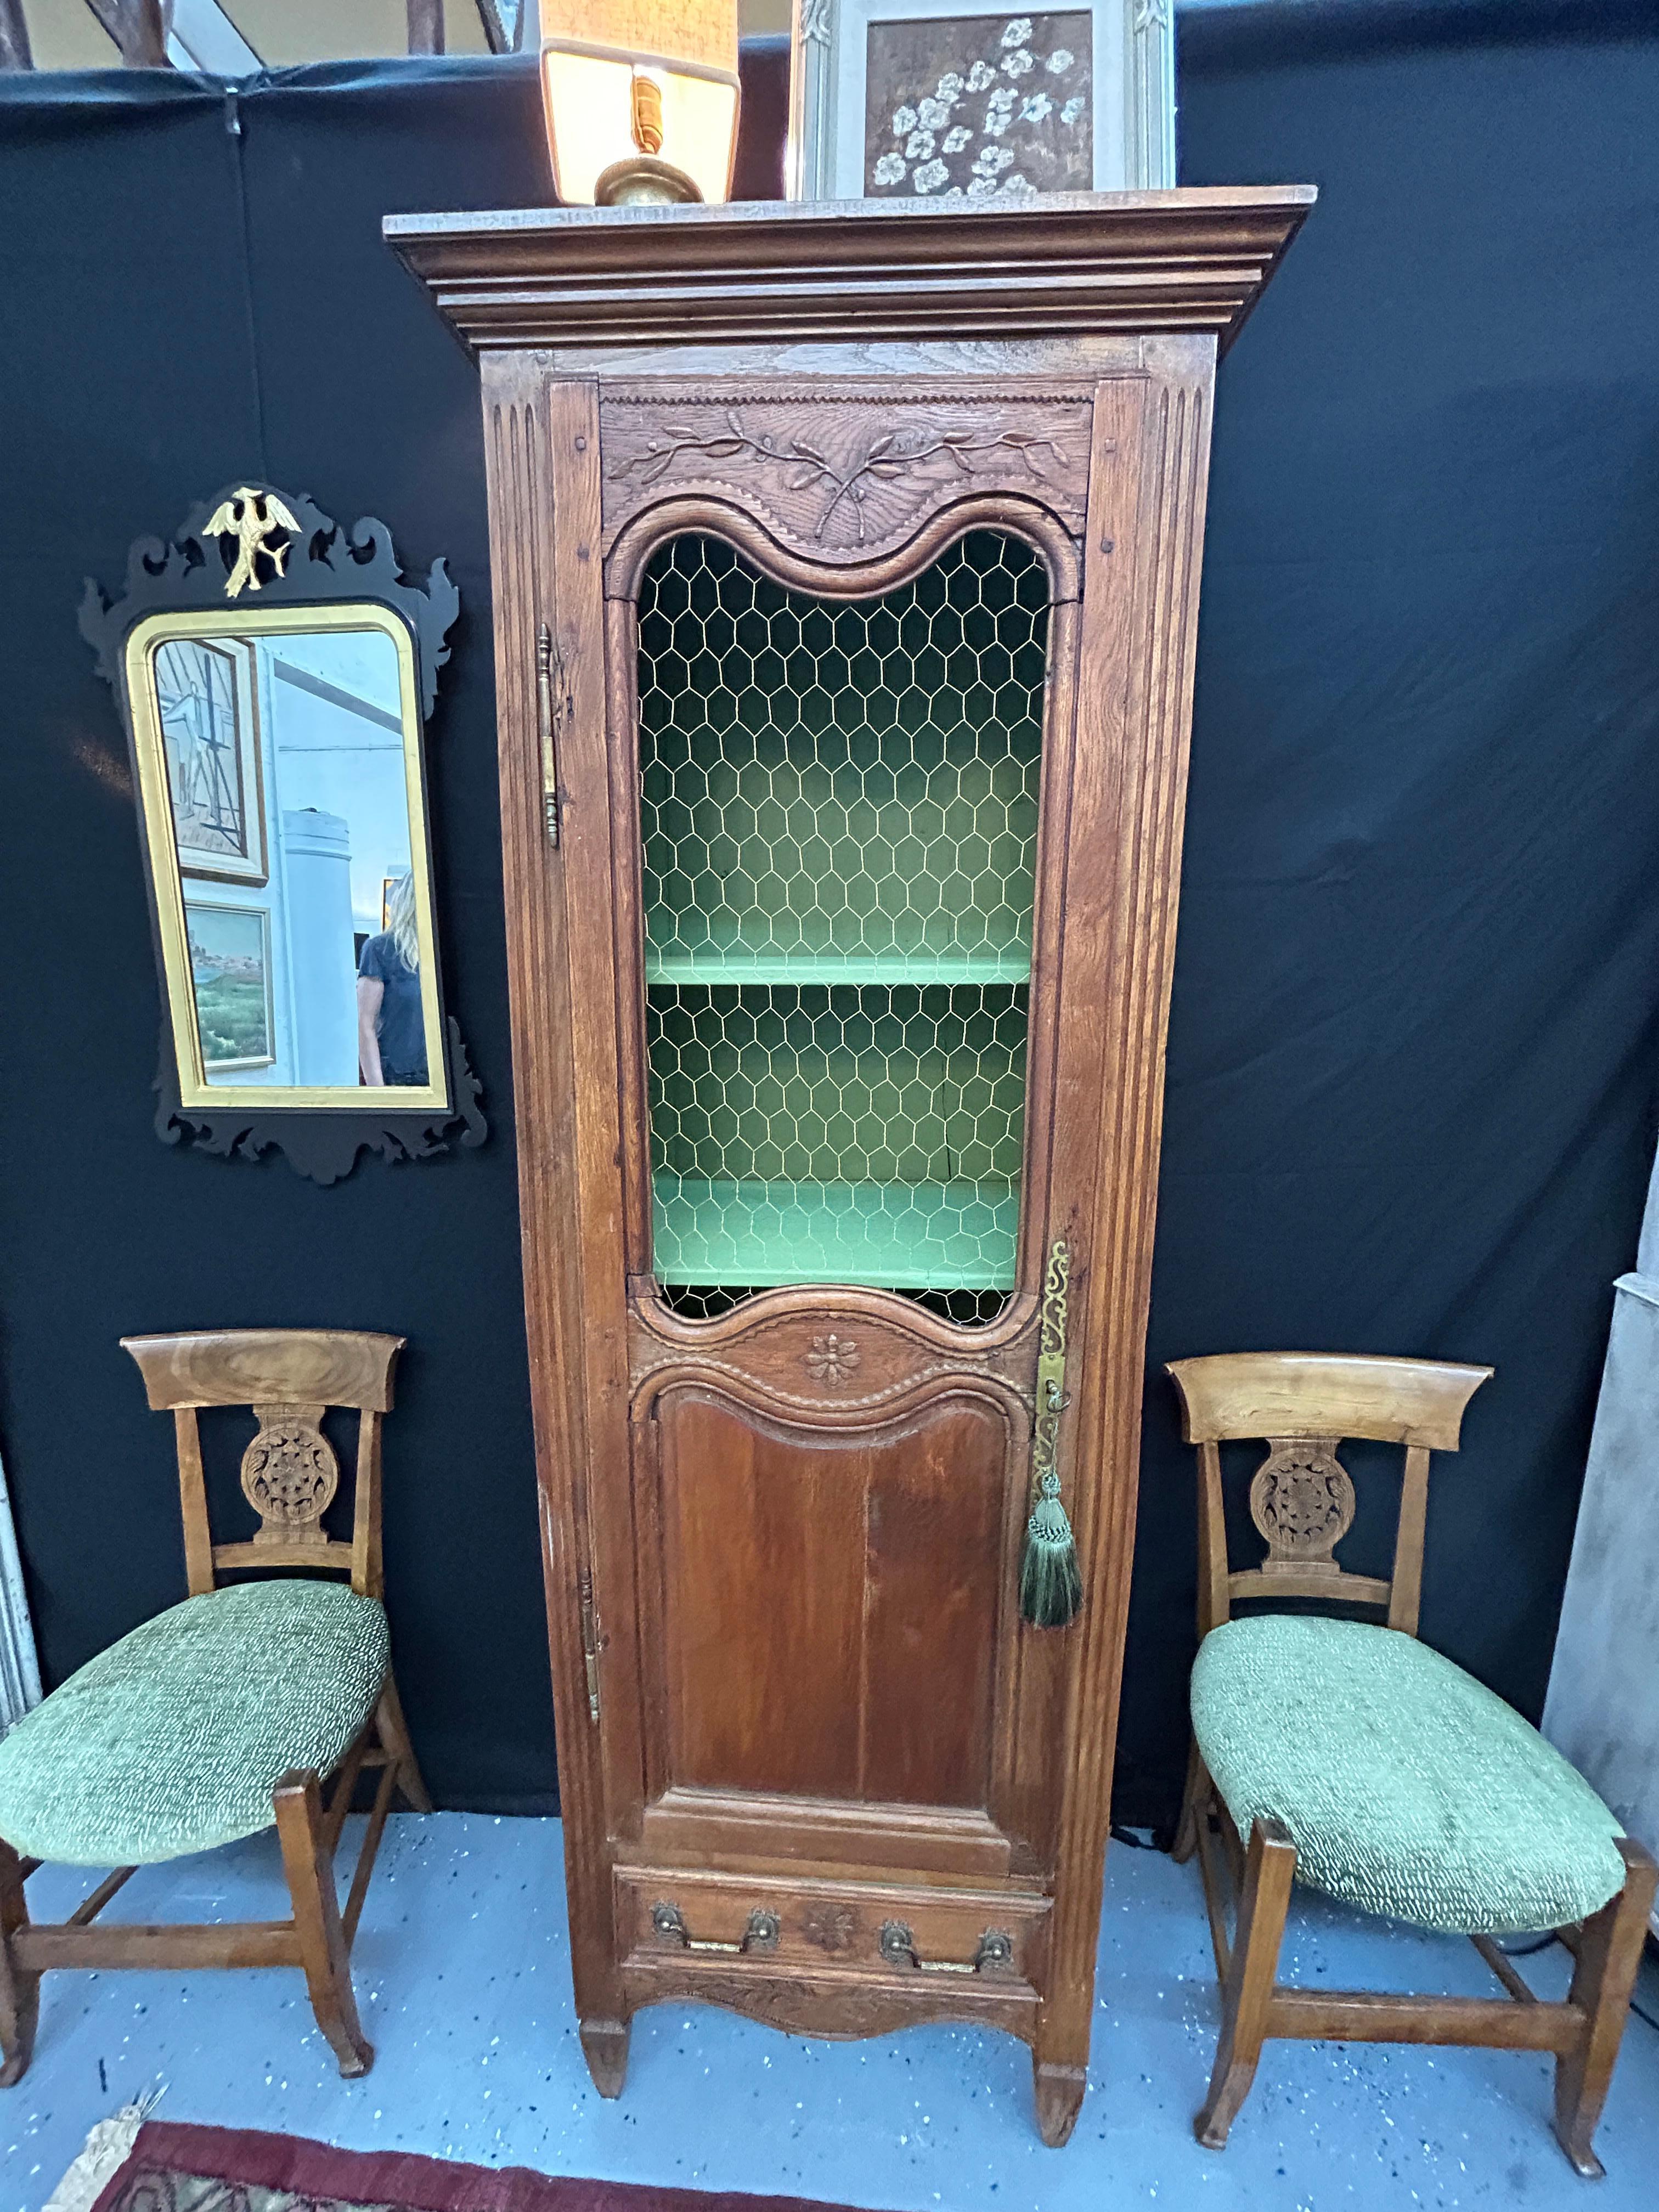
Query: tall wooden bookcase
x,y
845,569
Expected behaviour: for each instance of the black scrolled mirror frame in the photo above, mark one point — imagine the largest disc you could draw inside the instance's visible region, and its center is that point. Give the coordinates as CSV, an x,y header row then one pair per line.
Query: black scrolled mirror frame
x,y
319,562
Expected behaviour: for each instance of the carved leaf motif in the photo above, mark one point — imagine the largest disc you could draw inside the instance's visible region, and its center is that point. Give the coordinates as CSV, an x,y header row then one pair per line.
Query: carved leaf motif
x,y
889,457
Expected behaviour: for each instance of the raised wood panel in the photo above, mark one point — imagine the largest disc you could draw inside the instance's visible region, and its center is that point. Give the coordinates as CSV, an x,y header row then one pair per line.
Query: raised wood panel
x,y
828,1835
935,1511
830,1602
845,473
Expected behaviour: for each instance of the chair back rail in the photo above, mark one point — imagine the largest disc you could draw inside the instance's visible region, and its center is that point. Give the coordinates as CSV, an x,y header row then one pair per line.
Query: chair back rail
x,y
288,1378
245,1366
1301,1498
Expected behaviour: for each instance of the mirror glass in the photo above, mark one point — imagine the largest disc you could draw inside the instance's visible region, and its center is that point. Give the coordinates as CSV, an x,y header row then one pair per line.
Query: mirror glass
x,y
279,754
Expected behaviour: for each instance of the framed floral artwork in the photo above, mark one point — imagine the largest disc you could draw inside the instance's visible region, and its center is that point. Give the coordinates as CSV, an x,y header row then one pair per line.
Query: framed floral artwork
x,y
958,99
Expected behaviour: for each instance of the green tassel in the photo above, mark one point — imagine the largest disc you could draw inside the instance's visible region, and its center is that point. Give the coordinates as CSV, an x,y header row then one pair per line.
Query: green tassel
x,y
1050,1584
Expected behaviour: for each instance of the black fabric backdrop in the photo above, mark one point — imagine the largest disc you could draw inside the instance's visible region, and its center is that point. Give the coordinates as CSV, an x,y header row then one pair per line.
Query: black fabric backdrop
x,y
1413,1050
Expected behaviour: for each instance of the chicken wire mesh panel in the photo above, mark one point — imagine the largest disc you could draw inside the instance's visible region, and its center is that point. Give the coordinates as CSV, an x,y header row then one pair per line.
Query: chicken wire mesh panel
x,y
839,811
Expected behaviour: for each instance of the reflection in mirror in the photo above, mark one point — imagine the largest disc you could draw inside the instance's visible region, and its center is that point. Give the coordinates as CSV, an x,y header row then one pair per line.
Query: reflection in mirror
x,y
290,851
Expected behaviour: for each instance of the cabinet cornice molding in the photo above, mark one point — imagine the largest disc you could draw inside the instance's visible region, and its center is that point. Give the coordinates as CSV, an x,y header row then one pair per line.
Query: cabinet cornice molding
x,y
1073,263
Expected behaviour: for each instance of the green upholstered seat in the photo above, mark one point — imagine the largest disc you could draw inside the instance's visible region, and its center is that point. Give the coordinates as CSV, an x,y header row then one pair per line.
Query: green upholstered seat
x,y
173,1739
1407,1788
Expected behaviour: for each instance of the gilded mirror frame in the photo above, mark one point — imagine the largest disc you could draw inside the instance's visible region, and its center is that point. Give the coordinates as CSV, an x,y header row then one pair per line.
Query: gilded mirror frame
x,y
309,575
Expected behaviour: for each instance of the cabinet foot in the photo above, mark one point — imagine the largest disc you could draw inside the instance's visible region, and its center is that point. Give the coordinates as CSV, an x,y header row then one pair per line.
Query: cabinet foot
x,y
1059,2099
605,2046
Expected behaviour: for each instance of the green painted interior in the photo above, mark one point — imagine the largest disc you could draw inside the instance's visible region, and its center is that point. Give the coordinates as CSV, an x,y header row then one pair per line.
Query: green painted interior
x,y
839,810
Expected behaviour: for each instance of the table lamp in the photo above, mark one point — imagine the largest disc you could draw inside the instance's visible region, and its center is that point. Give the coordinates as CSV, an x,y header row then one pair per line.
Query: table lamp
x,y
641,99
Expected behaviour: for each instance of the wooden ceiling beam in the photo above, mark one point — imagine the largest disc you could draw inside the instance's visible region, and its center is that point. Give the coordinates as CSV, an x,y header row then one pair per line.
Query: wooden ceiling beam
x,y
426,27
496,33
15,37
139,28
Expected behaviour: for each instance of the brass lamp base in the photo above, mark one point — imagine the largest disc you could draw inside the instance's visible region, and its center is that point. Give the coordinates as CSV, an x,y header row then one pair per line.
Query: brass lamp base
x,y
643,181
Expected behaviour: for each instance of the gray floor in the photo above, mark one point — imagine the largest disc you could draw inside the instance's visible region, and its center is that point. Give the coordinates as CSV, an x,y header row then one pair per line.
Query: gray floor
x,y
463,1980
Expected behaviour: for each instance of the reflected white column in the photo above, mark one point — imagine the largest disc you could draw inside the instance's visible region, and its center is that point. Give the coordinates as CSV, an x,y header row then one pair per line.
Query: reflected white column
x,y
20,1673
322,962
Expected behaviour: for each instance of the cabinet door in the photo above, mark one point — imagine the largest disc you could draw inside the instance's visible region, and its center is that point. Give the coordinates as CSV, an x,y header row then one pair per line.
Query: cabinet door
x,y
833,841
827,1603
832,1660
830,916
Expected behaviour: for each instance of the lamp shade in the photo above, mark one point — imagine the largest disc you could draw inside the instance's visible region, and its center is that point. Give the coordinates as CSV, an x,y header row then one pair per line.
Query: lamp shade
x,y
648,86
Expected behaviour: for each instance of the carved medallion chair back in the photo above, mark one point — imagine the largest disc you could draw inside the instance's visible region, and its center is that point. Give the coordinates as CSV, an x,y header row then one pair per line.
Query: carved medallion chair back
x,y
232,1708
1359,1761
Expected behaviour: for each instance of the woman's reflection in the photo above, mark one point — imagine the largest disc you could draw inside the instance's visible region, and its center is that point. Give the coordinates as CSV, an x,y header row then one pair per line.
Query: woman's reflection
x,y
391,1023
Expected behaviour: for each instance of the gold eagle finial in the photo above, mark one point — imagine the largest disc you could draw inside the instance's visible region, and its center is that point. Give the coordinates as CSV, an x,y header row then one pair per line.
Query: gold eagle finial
x,y
251,516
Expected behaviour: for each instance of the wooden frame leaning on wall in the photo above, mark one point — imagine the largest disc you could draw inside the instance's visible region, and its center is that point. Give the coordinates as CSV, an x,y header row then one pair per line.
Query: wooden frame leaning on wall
x,y
971,98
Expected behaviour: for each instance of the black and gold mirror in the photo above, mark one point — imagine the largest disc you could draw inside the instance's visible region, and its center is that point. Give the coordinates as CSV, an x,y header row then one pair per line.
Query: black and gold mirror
x,y
274,673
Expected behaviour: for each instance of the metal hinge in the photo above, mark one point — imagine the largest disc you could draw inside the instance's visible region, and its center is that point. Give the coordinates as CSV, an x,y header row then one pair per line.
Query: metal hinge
x,y
550,708
590,1646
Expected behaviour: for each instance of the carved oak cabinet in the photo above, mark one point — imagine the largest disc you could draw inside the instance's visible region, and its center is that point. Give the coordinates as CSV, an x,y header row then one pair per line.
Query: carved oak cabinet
x,y
846,567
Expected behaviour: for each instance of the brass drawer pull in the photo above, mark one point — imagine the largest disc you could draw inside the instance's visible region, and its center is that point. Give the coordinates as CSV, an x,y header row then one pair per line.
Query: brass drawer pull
x,y
898,1947
761,1935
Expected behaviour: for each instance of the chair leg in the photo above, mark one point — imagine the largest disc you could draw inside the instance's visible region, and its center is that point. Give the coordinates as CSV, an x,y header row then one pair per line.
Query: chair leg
x,y
1609,1951
309,1866
1193,1799
394,1738
20,1993
1248,1990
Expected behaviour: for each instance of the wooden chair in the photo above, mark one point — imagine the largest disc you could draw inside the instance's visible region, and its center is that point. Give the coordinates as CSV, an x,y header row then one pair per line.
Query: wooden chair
x,y
231,1709
1363,1763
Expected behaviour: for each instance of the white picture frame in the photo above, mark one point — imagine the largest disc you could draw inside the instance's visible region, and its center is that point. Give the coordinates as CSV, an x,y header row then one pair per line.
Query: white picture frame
x,y
1129,88
207,702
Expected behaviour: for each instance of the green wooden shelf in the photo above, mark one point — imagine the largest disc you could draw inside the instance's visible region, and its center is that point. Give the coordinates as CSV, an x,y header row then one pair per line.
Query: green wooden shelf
x,y
884,1236
739,965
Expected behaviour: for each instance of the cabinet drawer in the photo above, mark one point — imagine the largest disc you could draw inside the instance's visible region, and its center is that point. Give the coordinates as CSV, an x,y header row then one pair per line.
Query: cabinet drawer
x,y
935,1937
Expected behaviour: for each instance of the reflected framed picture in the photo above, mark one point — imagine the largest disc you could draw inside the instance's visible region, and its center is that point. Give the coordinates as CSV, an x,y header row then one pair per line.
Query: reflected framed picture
x,y
229,949
955,100
208,703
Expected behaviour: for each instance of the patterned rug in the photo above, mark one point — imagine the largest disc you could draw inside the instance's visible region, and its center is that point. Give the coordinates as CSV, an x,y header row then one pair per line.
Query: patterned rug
x,y
172,2167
